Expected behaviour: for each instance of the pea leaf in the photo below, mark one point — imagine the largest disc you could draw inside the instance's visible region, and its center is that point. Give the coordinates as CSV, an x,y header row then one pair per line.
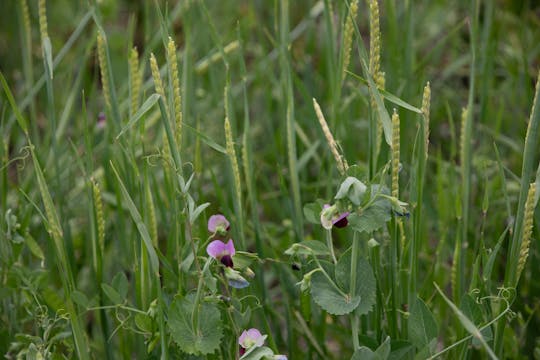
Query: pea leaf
x,y
366,287
112,294
203,340
308,247
376,215
120,284
333,294
244,259
329,297
144,322
353,189
79,298
371,219
312,212
257,353
365,353
422,326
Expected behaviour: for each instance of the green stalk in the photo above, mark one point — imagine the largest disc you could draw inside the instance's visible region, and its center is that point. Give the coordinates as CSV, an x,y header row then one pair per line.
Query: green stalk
x,y
290,118
154,261
66,274
247,160
330,244
527,172
235,169
355,318
195,314
29,98
417,194
334,70
466,154
28,69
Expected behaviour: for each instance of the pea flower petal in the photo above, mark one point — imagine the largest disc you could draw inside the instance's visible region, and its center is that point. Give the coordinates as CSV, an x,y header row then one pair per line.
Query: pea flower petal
x,y
251,338
331,217
234,278
218,224
222,251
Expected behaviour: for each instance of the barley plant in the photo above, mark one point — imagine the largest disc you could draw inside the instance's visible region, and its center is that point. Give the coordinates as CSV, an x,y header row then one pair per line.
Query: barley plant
x,y
250,180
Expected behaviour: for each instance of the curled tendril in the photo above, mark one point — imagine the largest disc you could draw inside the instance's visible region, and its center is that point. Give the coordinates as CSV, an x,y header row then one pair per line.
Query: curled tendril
x,y
62,314
510,315
475,293
153,159
122,319
190,166
257,301
24,154
507,293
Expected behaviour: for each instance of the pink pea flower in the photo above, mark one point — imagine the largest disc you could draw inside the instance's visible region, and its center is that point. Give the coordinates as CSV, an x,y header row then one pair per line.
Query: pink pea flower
x,y
251,338
222,252
218,224
331,217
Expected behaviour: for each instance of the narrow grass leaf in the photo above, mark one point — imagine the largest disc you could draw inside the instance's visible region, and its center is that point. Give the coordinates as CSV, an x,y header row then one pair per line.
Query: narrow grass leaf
x,y
136,216
13,103
146,106
467,323
47,49
389,96
381,109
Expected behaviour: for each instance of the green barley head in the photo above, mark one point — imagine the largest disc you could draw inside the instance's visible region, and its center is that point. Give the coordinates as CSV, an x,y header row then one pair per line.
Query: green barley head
x,y
527,230
173,64
102,58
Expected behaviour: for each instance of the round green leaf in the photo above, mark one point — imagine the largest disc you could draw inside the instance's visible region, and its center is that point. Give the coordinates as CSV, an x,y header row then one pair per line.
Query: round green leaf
x,y
203,340
332,299
366,286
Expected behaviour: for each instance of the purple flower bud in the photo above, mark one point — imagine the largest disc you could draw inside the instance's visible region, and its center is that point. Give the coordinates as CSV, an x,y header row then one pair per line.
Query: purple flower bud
x,y
101,120
218,224
234,278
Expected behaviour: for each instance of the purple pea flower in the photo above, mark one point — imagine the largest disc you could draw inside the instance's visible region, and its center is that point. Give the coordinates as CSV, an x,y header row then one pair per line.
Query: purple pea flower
x,y
101,120
331,217
218,224
251,338
222,252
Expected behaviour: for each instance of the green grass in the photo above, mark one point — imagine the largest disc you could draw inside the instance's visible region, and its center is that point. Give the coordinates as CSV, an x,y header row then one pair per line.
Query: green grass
x,y
103,227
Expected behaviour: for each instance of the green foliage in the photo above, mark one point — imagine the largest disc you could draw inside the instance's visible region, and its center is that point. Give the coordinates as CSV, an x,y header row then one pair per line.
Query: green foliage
x,y
308,247
123,271
330,287
382,352
422,325
202,339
